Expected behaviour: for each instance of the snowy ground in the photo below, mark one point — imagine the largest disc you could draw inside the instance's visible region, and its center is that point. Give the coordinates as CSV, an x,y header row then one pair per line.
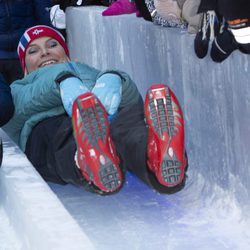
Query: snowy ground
x,y
8,237
200,216
29,208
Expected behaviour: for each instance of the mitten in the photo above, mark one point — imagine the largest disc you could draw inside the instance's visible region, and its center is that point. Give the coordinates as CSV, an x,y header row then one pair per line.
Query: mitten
x,y
108,89
70,88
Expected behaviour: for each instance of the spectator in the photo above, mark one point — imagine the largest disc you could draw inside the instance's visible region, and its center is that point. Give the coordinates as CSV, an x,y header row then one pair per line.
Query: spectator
x,y
237,15
226,23
109,133
6,108
16,17
6,102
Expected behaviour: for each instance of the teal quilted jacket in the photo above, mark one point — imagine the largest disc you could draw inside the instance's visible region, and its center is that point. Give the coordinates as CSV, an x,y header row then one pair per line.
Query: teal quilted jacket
x,y
37,96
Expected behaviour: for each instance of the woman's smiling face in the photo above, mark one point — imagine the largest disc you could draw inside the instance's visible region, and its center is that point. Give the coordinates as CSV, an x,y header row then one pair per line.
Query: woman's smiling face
x,y
42,52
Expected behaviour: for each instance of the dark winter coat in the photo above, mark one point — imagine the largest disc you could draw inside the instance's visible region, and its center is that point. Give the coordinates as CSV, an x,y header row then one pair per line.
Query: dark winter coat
x,y
207,5
234,9
229,9
15,17
6,103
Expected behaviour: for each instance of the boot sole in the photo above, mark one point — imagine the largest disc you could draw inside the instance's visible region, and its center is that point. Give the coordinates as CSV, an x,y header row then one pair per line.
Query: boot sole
x,y
94,124
162,116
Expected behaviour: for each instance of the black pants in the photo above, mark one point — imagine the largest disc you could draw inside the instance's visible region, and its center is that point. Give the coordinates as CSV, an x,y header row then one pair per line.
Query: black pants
x,y
11,70
51,148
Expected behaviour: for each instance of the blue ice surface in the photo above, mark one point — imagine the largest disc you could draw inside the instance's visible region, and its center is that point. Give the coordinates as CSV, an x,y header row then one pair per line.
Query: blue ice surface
x,y
199,217
8,239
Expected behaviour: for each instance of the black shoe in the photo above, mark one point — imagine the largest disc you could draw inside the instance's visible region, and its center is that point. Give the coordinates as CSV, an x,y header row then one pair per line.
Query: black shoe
x,y
240,29
223,45
244,48
208,29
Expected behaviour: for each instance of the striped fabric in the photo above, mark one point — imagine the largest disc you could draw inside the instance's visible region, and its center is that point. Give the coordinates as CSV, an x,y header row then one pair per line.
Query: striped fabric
x,y
240,28
36,32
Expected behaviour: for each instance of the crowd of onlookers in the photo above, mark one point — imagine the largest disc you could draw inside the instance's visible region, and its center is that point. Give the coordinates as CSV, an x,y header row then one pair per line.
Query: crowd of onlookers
x,y
222,22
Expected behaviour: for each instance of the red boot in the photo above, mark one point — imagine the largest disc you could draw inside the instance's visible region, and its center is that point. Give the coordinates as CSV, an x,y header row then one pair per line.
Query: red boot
x,y
96,155
166,151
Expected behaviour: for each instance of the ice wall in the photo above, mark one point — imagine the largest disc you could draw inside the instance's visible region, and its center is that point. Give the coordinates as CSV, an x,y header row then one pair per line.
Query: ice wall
x,y
215,97
36,219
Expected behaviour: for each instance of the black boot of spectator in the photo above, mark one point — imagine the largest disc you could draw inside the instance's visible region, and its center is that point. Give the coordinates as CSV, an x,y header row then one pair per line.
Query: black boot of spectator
x,y
223,45
207,32
244,48
201,45
240,28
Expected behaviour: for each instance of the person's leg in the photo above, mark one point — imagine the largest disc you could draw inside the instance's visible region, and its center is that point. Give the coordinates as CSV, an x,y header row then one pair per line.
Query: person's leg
x,y
96,155
51,149
130,135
